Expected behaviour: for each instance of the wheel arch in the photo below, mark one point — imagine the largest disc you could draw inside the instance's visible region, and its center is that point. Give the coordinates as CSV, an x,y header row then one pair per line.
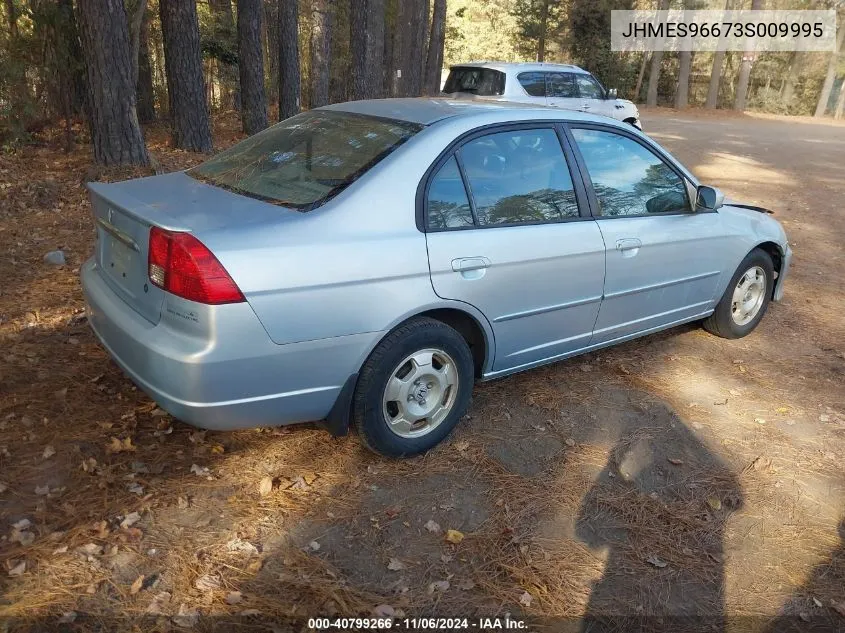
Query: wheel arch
x,y
774,250
468,322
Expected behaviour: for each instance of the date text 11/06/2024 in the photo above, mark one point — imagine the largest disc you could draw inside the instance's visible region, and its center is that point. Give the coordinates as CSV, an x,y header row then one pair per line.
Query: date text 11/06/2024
x,y
418,624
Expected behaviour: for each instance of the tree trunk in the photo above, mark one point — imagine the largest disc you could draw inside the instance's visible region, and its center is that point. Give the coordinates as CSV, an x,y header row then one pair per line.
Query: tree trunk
x,y
544,25
793,72
436,42
748,58
410,47
116,134
191,128
227,66
251,65
640,77
375,49
145,91
827,87
290,96
654,71
321,41
391,63
840,102
682,89
12,14
271,33
715,80
136,20
359,11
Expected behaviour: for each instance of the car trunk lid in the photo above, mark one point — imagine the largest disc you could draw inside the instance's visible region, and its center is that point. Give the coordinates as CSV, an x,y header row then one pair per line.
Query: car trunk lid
x,y
124,212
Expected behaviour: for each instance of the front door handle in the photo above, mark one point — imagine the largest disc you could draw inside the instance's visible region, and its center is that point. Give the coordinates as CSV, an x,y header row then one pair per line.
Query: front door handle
x,y
628,243
464,264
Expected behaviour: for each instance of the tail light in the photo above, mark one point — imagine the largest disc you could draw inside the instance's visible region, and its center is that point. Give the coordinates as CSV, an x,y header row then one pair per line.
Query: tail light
x,y
182,265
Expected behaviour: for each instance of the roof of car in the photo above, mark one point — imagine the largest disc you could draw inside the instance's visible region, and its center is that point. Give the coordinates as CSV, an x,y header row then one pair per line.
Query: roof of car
x,y
428,110
522,66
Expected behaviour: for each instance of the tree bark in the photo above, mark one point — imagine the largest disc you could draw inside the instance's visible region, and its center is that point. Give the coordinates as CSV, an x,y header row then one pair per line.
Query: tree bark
x,y
827,87
390,61
682,89
290,81
136,19
410,25
359,13
640,77
840,102
116,134
191,129
715,80
793,72
544,25
654,71
251,65
271,31
321,41
12,14
748,58
436,42
144,88
227,68
375,50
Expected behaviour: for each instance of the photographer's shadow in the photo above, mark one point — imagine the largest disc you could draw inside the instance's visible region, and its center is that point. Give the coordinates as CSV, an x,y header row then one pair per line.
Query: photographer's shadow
x,y
658,509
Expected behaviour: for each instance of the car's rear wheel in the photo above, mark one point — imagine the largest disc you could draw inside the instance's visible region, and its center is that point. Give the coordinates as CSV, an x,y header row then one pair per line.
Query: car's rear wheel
x,y
413,388
746,298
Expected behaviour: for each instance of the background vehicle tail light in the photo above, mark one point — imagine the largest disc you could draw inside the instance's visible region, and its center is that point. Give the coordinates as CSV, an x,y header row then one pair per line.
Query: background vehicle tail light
x,y
182,265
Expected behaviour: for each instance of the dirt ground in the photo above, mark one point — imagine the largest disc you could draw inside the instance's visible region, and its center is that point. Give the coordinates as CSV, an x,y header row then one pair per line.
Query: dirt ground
x,y
679,482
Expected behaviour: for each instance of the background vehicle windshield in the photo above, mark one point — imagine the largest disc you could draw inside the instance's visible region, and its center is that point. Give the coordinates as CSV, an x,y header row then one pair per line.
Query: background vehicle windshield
x,y
484,82
307,159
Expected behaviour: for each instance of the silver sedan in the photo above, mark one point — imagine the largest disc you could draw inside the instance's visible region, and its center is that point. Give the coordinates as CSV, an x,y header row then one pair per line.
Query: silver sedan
x,y
367,262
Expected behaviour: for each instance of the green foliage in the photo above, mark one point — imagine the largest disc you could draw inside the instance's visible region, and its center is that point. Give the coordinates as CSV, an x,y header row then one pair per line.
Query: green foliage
x,y
529,24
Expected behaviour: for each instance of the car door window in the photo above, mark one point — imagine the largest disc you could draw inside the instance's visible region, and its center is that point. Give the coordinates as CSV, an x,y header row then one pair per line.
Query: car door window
x,y
588,87
448,204
629,179
519,177
534,83
561,85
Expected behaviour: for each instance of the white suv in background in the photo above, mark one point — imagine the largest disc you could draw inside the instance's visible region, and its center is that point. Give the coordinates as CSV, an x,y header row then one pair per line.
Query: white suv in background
x,y
558,85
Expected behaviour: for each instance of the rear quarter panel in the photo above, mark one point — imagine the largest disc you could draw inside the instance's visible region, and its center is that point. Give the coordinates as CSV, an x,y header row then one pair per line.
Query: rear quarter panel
x,y
358,264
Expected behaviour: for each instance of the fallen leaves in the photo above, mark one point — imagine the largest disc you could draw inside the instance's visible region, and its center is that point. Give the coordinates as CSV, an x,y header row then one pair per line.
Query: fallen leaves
x,y
454,536
396,565
116,445
656,561
234,597
17,569
525,599
207,582
432,526
159,602
49,451
130,519
438,586
715,503
265,486
137,585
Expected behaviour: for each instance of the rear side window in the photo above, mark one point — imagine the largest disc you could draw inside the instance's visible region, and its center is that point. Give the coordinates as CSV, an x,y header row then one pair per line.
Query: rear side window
x,y
534,83
519,177
628,179
307,159
448,204
484,82
561,85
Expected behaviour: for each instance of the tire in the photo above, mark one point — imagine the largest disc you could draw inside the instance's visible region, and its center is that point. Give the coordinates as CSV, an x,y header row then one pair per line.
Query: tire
x,y
728,320
397,367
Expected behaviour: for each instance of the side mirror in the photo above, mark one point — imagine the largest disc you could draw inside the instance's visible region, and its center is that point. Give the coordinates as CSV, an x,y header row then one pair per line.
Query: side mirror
x,y
709,198
611,94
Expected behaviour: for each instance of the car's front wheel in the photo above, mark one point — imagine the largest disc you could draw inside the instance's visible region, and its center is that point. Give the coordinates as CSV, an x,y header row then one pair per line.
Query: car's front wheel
x,y
413,388
746,298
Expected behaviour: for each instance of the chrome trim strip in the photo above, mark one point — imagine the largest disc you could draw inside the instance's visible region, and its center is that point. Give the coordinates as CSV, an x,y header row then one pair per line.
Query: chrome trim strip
x,y
544,309
120,236
663,284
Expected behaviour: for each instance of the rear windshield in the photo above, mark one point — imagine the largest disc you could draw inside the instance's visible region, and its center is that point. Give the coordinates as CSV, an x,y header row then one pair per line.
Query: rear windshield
x,y
485,82
304,161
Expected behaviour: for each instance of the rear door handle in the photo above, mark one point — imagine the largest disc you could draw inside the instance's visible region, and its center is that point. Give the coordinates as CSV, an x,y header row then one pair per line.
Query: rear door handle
x,y
464,264
628,243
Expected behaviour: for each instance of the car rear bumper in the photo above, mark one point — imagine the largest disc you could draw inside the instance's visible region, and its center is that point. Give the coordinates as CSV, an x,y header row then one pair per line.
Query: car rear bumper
x,y
784,271
219,369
